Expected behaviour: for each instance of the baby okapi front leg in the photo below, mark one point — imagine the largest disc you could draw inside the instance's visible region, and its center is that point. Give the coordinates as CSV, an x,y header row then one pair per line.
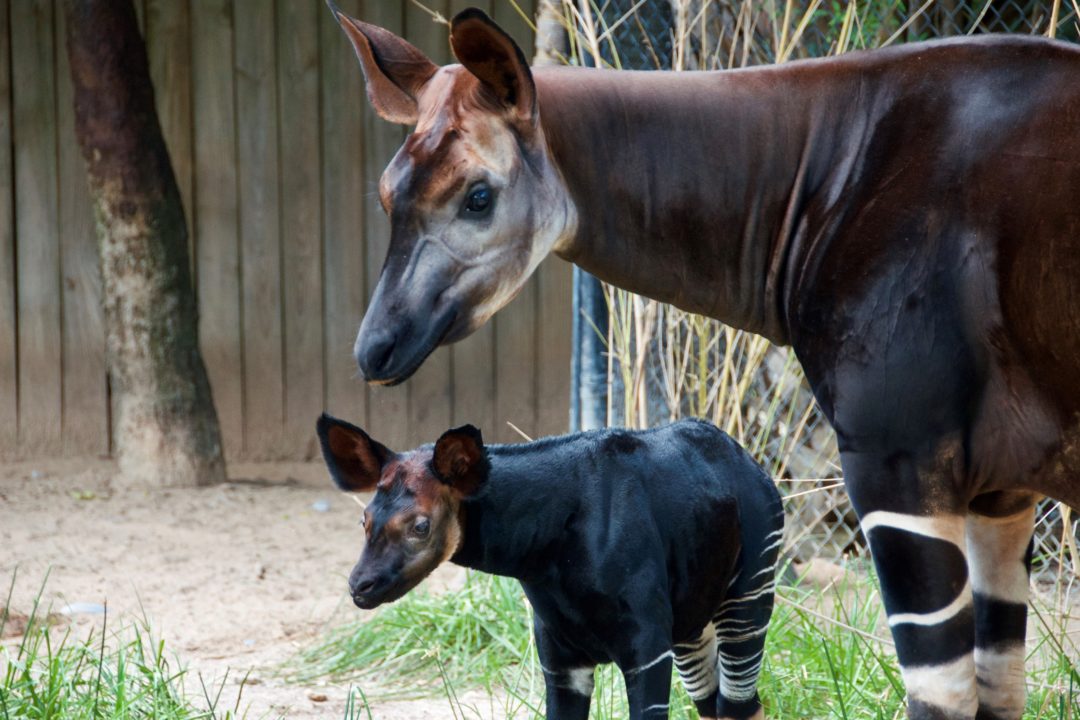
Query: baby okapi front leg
x,y
999,554
648,686
568,678
922,567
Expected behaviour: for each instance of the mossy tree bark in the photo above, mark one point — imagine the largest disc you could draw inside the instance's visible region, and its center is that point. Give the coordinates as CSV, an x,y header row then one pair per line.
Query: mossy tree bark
x,y
165,428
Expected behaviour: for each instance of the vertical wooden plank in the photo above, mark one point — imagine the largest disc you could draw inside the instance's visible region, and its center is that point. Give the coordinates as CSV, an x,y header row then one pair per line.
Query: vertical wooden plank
x,y
509,19
516,350
140,15
37,234
516,366
344,211
431,389
388,407
85,388
216,214
554,319
260,237
554,312
168,47
474,357
9,368
301,226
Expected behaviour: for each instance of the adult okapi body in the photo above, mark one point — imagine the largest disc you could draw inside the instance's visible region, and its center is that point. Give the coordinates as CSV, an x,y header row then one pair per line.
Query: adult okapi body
x,y
907,219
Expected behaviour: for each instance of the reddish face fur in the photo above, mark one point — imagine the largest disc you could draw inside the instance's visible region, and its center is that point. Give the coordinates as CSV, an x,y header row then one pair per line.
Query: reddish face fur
x,y
413,523
474,201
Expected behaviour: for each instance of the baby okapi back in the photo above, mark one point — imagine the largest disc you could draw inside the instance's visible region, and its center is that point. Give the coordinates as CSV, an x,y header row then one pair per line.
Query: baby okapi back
x,y
638,548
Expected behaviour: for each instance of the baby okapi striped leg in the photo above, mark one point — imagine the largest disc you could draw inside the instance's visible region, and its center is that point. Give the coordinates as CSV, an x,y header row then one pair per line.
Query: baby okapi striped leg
x,y
697,665
741,625
999,555
922,567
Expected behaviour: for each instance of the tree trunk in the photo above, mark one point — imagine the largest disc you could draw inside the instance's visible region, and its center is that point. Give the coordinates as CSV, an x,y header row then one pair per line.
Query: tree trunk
x,y
165,429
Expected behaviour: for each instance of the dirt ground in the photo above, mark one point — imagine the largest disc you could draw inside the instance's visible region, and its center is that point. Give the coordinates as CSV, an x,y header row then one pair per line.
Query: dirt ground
x,y
236,576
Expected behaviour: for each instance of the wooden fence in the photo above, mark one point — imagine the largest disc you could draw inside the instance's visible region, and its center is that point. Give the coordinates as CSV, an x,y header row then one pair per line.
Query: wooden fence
x,y
277,156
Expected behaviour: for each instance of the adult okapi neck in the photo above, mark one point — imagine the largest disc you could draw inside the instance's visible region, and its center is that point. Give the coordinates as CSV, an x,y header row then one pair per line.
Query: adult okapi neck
x,y
689,187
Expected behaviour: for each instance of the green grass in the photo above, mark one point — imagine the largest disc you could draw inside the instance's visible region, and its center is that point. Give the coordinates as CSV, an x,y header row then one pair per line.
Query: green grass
x,y
473,634
828,656
111,675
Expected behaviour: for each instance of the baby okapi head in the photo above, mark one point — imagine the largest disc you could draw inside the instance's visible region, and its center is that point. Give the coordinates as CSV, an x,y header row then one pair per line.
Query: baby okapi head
x,y
413,523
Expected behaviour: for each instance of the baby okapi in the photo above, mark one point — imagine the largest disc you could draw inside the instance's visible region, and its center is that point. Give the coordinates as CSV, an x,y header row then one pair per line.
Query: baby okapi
x,y
637,548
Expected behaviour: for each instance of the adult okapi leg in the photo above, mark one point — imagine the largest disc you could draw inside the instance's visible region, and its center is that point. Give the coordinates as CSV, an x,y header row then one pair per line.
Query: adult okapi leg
x,y
916,536
999,540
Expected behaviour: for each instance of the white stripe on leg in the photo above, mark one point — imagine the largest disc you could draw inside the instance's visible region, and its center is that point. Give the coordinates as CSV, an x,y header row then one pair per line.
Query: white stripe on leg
x,y
947,686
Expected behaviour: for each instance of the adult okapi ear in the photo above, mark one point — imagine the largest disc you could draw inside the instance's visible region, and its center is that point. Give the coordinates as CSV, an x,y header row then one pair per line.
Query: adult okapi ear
x,y
354,459
394,70
460,460
495,59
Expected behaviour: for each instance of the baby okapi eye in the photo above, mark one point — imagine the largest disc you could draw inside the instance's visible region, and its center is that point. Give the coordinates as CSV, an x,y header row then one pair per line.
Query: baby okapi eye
x,y
421,527
479,202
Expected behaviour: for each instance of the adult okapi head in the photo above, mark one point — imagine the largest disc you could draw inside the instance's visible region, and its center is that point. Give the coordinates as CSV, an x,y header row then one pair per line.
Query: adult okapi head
x,y
412,524
473,200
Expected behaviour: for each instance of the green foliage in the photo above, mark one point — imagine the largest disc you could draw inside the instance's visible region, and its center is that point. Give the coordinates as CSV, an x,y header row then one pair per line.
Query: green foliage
x,y
828,655
465,636
51,675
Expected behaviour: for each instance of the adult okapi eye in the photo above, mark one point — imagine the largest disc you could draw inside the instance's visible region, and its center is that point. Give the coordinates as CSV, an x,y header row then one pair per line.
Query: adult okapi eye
x,y
478,202
422,527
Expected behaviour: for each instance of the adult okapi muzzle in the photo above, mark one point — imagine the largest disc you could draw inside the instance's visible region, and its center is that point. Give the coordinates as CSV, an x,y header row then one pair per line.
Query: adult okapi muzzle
x,y
464,193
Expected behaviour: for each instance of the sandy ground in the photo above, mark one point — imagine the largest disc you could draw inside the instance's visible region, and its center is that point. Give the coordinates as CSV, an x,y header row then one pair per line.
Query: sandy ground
x,y
236,576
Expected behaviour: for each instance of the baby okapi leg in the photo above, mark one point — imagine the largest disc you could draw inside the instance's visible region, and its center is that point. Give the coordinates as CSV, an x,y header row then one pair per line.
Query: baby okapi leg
x,y
999,554
569,693
922,567
741,624
568,681
648,686
696,663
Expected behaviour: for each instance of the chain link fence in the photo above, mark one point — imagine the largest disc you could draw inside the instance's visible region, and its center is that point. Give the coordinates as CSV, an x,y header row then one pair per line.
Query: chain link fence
x,y
663,363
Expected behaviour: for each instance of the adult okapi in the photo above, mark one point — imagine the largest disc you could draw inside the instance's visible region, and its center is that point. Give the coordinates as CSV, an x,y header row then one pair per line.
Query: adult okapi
x,y
907,219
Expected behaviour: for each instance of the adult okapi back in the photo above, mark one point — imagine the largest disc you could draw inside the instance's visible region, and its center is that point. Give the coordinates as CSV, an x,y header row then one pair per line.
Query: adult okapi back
x,y
907,219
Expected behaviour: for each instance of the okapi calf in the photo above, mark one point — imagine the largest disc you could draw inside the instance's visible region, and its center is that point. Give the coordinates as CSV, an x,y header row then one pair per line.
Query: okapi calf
x,y
637,548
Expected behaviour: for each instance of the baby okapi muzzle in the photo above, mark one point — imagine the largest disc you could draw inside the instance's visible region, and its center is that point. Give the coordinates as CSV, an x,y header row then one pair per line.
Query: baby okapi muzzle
x,y
639,548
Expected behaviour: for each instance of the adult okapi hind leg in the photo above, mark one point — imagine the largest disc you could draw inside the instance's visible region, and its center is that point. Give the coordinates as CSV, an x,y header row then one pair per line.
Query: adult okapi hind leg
x,y
999,544
919,551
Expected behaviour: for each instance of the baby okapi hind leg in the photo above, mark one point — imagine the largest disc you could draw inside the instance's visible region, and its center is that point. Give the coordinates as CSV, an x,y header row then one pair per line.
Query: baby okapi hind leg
x,y
920,557
696,663
741,624
999,555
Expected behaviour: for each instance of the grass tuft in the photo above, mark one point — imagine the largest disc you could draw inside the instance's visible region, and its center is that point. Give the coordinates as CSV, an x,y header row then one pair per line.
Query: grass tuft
x,y
111,675
468,636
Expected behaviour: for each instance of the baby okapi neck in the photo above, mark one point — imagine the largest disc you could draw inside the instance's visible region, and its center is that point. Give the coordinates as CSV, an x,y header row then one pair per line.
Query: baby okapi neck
x,y
508,526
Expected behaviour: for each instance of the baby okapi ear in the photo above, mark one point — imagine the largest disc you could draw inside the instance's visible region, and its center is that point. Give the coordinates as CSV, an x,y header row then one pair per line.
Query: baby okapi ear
x,y
354,459
495,59
460,460
394,70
